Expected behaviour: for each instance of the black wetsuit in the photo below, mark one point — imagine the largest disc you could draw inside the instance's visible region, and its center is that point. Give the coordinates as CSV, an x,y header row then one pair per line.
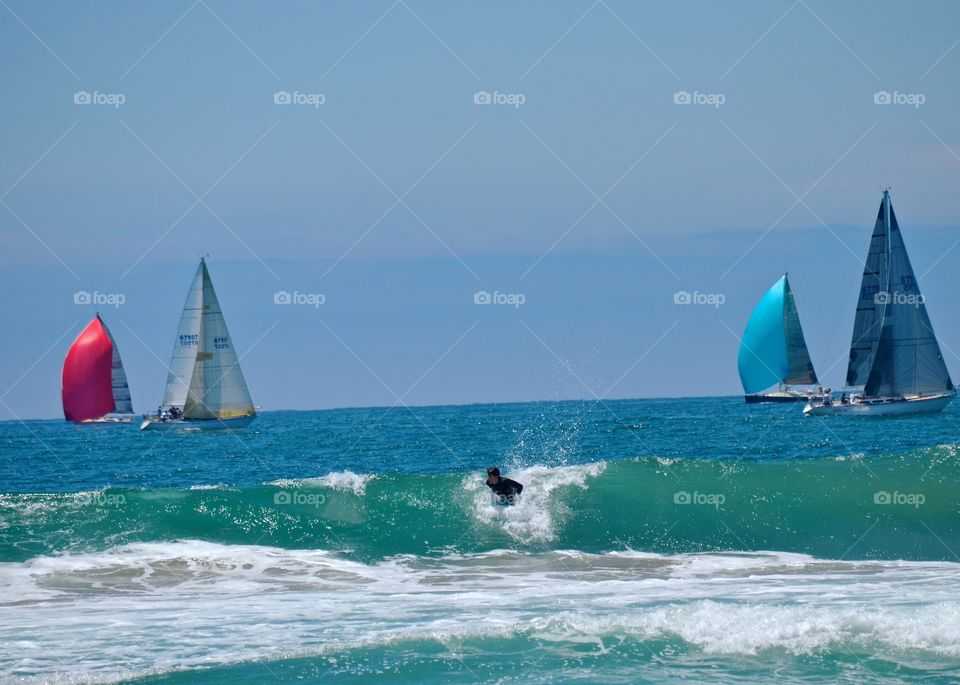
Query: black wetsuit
x,y
506,489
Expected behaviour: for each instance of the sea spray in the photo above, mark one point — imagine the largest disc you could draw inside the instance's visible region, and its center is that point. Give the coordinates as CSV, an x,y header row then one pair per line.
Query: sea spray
x,y
540,511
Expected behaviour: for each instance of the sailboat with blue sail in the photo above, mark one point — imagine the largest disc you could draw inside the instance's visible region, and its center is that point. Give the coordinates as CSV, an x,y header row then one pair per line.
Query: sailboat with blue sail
x,y
896,366
773,354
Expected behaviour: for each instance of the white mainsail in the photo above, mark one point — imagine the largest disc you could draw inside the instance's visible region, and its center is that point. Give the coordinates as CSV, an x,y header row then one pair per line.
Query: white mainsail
x,y
205,377
186,344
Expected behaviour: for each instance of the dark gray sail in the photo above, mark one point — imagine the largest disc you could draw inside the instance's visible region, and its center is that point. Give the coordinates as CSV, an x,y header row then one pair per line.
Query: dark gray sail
x,y
866,325
907,358
799,367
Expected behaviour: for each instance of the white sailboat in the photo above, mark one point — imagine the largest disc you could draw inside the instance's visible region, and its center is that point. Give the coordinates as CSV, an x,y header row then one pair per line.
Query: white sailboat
x,y
205,386
896,366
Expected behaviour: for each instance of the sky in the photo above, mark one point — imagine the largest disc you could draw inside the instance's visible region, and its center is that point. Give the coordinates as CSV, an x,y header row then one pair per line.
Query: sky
x,y
387,163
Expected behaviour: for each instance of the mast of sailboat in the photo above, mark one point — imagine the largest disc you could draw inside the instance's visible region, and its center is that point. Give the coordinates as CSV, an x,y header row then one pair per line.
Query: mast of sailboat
x,y
886,227
781,386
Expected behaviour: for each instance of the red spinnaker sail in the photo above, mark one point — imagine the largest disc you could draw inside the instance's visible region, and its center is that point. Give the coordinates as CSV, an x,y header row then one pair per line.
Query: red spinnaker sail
x,y
87,387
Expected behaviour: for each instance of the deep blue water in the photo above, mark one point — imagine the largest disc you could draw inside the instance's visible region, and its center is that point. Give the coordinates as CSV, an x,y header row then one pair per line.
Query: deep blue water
x,y
56,456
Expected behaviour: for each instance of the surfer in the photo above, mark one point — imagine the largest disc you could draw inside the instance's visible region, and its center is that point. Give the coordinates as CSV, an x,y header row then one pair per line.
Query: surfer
x,y
506,490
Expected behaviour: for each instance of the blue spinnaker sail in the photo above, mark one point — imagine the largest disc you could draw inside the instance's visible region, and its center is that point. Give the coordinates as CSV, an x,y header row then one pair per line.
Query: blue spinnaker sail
x,y
772,349
762,359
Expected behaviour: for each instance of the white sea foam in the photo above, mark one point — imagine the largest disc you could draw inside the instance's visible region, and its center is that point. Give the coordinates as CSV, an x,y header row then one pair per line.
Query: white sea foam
x,y
345,481
722,628
856,456
46,503
537,514
158,606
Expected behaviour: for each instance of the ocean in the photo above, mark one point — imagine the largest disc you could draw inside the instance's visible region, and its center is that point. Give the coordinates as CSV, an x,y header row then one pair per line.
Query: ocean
x,y
659,541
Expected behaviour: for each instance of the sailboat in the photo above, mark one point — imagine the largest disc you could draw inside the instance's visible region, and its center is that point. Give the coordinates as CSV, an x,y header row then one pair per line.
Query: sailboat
x,y
773,351
895,366
94,384
205,386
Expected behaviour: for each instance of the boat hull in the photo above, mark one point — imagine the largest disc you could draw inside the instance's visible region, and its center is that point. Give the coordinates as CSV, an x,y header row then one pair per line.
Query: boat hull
x,y
105,419
775,397
198,424
898,407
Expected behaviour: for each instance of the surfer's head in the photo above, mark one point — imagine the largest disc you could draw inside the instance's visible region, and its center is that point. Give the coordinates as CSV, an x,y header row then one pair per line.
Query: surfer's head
x,y
493,475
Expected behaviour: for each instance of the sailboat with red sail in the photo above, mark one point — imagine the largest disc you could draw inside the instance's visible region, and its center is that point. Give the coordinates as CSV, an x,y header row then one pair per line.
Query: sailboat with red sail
x,y
95,386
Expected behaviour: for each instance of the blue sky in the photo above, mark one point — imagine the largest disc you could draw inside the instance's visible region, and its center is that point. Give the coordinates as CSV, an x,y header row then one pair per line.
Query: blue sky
x,y
589,190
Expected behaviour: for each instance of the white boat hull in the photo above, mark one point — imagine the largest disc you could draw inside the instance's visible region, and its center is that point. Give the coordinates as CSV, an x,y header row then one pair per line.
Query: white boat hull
x,y
106,419
197,424
778,397
881,407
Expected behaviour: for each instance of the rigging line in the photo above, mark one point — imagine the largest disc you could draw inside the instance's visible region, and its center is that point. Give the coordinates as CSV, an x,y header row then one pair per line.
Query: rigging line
x,y
836,325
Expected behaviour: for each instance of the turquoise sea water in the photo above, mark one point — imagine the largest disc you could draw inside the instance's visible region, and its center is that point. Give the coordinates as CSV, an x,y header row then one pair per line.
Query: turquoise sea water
x,y
656,541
